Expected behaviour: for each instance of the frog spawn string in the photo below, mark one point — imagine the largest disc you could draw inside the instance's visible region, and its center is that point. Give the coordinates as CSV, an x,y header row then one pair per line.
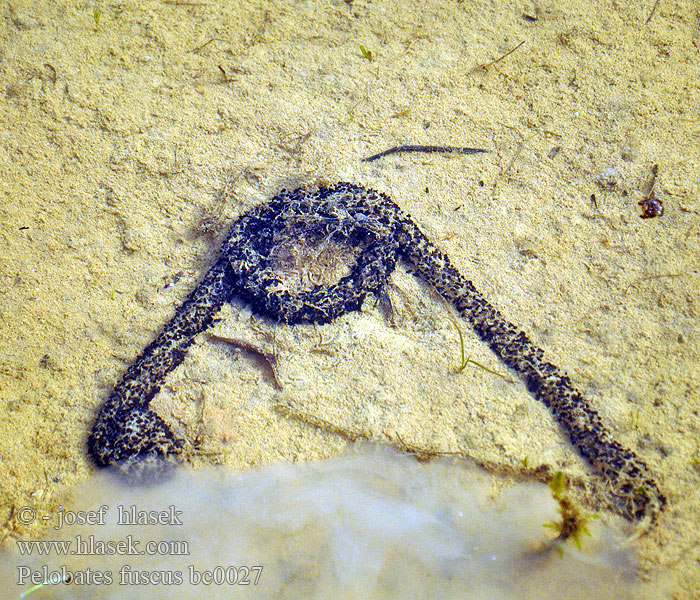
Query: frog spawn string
x,y
129,435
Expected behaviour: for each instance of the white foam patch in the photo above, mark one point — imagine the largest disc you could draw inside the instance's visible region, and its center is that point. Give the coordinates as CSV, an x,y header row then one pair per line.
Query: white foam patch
x,y
370,525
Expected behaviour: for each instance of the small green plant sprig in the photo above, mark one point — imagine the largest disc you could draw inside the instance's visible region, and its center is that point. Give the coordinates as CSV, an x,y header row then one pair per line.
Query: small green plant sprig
x,y
574,521
96,14
366,53
468,360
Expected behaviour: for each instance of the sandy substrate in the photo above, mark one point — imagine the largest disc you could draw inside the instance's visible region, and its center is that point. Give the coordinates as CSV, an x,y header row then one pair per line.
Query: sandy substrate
x,y
129,142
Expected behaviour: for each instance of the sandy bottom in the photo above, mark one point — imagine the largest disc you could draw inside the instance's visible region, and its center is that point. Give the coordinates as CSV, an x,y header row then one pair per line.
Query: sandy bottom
x,y
132,135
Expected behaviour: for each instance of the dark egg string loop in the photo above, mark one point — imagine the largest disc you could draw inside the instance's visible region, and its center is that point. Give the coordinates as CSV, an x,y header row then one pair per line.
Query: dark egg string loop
x,y
128,434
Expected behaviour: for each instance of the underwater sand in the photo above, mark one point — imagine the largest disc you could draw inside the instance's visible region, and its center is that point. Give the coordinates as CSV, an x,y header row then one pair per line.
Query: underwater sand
x,y
128,145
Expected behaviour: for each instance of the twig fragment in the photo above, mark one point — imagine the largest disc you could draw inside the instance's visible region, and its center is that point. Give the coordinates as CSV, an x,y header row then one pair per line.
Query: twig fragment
x,y
653,10
493,62
269,357
426,149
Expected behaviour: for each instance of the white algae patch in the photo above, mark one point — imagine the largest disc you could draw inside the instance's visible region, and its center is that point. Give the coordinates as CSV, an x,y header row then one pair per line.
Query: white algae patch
x,y
371,524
